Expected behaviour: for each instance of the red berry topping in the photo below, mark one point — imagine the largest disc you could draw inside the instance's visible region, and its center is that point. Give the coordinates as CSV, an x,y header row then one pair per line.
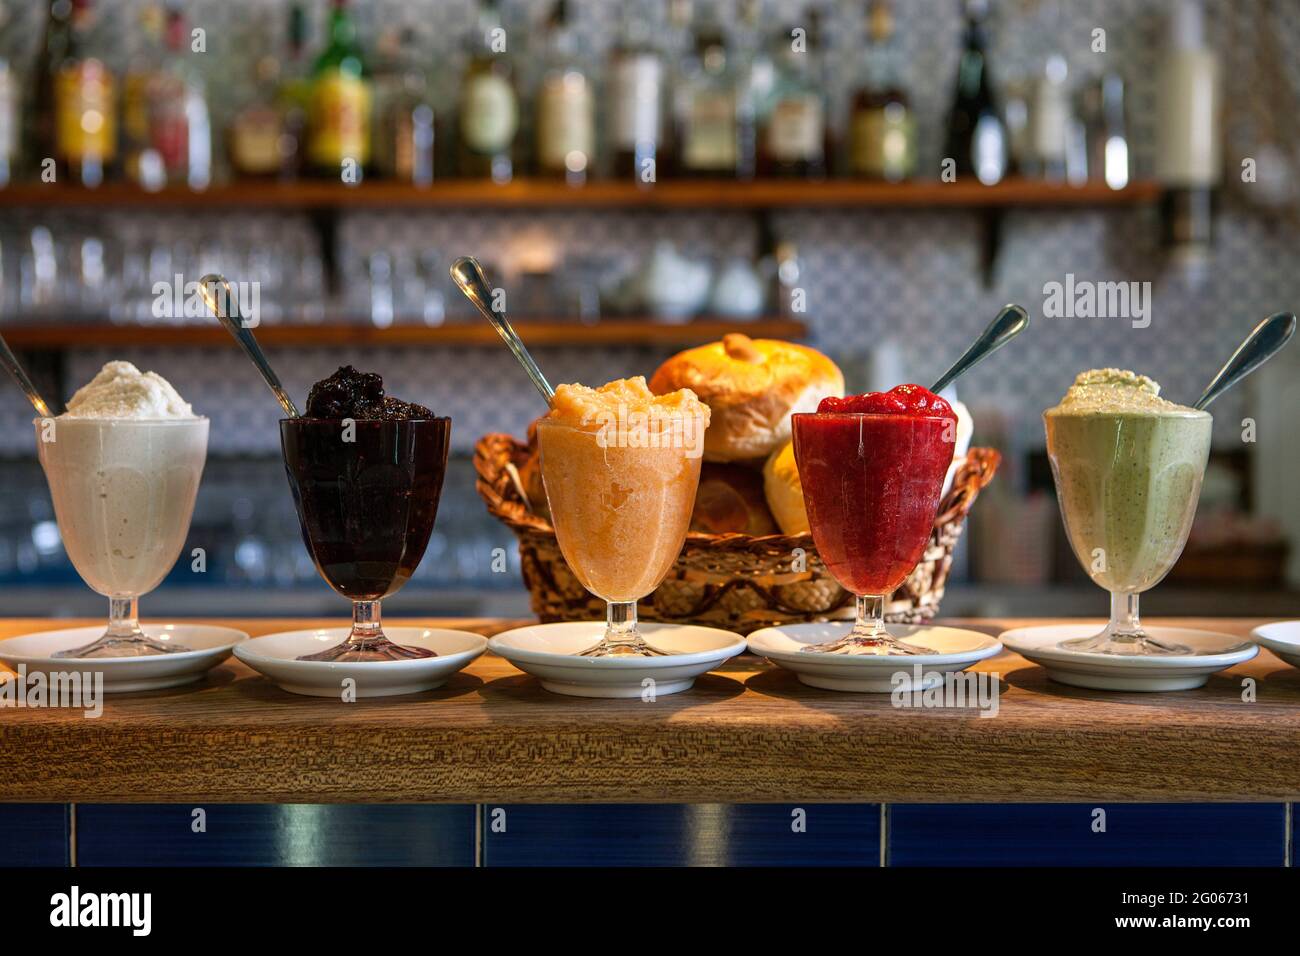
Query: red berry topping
x,y
900,400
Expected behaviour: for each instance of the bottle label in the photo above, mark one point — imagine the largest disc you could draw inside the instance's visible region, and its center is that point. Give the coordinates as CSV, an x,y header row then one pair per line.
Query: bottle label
x,y
86,126
489,115
637,87
255,142
566,123
882,143
795,129
711,132
340,120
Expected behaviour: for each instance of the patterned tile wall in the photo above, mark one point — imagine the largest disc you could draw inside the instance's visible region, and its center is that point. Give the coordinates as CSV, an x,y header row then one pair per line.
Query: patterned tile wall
x,y
906,277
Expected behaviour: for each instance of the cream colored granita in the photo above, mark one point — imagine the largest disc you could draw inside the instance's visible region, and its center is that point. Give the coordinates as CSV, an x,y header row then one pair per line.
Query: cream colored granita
x,y
123,465
620,466
1128,466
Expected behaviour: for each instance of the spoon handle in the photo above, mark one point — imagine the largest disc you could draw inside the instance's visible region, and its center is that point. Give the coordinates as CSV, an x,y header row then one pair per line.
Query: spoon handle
x,y
231,318
10,363
1010,322
469,278
1266,339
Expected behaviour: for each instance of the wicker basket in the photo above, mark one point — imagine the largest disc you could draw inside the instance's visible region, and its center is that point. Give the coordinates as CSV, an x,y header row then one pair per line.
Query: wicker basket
x,y
734,581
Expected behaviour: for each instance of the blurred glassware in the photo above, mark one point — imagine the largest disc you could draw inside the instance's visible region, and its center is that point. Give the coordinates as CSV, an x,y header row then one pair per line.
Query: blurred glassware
x,y
1106,126
738,290
433,307
379,267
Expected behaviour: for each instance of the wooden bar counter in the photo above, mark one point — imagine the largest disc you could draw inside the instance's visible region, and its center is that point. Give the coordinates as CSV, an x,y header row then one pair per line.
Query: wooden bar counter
x,y
746,733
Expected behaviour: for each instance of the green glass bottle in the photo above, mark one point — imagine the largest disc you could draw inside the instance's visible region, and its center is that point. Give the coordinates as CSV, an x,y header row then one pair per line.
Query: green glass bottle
x,y
338,143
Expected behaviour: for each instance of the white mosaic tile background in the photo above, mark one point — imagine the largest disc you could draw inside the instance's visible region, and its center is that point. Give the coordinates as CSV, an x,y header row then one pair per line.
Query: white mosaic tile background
x,y
909,277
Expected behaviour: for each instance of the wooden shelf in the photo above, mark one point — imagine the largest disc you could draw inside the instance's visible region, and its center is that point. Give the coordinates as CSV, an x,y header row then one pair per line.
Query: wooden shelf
x,y
746,733
544,194
536,333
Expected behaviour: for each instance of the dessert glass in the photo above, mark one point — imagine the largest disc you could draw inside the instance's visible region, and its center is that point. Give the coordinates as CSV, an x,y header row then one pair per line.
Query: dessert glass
x,y
123,493
871,485
367,495
621,502
1128,485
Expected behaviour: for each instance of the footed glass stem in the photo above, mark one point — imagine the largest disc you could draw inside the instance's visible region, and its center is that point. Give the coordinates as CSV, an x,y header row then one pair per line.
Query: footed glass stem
x,y
868,635
124,638
621,638
1123,634
367,641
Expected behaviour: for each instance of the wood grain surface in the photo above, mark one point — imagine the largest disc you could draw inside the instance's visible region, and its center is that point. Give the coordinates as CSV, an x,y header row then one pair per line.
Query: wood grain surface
x,y
747,732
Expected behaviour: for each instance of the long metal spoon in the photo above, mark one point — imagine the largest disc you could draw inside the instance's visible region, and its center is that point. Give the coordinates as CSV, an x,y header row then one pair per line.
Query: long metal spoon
x,y
19,374
235,325
1010,322
1264,341
469,278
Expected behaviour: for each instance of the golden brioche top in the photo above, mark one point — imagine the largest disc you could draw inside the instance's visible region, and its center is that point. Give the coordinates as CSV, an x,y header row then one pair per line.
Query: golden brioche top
x,y
738,369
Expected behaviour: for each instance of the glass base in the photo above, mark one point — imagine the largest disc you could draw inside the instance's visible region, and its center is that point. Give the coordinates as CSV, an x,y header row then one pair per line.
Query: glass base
x,y
368,649
136,644
633,646
868,643
1125,644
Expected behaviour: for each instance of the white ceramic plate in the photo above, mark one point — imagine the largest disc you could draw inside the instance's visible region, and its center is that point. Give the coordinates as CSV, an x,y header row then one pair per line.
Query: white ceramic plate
x,y
276,656
957,649
1282,638
209,646
1212,652
550,653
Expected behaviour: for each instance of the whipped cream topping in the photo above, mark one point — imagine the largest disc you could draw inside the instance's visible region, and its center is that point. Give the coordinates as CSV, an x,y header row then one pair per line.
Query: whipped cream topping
x,y
1113,391
121,390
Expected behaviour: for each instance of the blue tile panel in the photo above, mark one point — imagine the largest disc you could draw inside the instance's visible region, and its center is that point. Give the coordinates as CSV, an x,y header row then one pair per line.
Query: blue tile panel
x,y
275,835
677,835
34,834
653,835
1028,834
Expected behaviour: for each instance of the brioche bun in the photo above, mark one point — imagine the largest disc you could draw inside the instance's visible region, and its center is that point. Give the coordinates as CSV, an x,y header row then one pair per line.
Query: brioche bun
x,y
751,386
784,490
730,499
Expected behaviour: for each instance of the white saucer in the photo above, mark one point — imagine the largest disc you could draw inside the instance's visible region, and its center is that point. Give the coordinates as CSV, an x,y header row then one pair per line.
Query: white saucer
x,y
1213,652
209,646
276,656
956,649
1282,638
550,653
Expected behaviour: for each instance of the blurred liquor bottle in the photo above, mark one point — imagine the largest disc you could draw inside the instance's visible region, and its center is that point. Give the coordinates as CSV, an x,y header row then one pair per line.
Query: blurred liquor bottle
x,y
140,161
73,118
254,141
566,106
882,128
489,104
792,125
180,131
40,130
294,96
8,120
404,118
977,139
636,100
338,139
712,138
